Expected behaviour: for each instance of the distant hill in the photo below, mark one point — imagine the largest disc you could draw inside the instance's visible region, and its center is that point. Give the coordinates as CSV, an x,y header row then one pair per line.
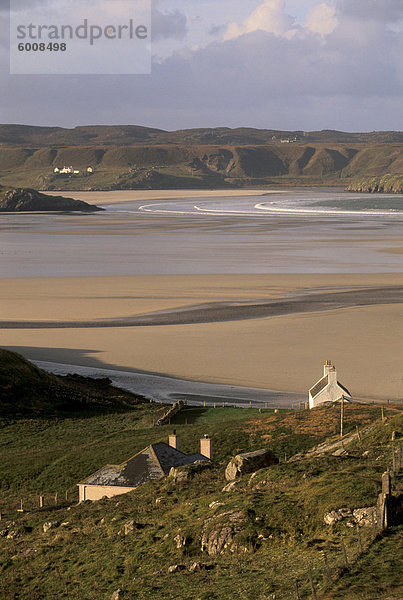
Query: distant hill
x,y
127,135
27,391
132,157
28,200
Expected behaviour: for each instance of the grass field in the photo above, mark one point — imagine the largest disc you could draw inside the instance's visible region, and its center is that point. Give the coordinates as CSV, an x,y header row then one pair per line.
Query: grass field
x,y
281,509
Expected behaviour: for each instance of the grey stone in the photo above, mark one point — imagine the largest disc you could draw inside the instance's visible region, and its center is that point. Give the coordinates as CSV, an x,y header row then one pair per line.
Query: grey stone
x,y
12,535
181,540
186,472
230,487
219,532
198,566
249,462
176,568
49,525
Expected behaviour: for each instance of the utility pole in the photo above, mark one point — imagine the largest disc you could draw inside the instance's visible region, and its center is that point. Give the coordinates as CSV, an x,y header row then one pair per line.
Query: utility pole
x,y
341,416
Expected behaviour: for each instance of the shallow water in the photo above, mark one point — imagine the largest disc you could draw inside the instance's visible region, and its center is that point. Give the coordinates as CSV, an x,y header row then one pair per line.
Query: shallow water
x,y
280,233
169,389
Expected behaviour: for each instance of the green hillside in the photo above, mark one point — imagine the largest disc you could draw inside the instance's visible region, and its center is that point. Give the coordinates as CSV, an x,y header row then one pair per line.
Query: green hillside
x,y
254,542
26,391
134,157
127,135
199,166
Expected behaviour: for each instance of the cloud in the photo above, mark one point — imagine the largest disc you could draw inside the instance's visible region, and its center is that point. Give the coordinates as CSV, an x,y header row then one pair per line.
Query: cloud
x,y
383,11
168,24
269,16
322,19
339,71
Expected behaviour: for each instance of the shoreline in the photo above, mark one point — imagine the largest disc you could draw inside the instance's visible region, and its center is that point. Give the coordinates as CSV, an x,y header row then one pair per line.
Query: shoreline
x,y
115,197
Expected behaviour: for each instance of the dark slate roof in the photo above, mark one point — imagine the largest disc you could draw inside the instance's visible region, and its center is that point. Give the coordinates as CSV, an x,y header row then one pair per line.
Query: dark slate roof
x,y
344,389
319,386
153,462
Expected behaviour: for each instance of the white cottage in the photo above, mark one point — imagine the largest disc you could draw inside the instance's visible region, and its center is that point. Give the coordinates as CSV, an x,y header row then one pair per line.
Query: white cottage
x,y
328,389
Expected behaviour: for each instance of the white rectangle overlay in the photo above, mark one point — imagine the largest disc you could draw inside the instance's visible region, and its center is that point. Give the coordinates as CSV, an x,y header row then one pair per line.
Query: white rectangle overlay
x,y
76,37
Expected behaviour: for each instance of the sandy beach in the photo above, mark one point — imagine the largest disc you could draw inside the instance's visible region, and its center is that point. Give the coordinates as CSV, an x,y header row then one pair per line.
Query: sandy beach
x,y
278,352
102,198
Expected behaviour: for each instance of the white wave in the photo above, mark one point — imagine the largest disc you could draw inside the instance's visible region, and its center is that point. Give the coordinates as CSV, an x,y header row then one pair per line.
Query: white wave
x,y
322,211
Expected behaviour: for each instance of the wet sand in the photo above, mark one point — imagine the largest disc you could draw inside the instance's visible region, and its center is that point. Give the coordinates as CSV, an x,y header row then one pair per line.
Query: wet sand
x,y
146,195
283,352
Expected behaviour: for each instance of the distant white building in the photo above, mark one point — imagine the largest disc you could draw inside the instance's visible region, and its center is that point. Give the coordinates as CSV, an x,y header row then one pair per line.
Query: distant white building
x,y
66,171
90,169
328,389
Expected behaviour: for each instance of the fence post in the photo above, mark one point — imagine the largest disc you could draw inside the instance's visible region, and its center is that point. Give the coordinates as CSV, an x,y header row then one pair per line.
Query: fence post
x,y
40,501
298,597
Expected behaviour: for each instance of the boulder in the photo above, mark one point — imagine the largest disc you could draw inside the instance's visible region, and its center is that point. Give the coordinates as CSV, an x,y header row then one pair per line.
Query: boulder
x,y
176,568
249,462
219,532
49,525
358,516
198,566
230,487
181,541
129,527
186,472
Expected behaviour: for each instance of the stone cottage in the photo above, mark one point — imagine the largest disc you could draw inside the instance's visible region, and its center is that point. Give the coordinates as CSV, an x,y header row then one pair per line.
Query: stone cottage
x,y
154,462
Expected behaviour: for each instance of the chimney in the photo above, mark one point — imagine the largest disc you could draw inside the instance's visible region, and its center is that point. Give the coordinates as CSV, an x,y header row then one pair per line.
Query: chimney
x,y
174,440
327,367
206,447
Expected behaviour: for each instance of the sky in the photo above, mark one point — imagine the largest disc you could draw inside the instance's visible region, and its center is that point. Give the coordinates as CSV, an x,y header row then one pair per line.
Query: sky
x,y
275,64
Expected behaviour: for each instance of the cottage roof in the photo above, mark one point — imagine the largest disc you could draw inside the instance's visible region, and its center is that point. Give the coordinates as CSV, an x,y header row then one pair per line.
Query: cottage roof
x,y
319,386
344,389
153,462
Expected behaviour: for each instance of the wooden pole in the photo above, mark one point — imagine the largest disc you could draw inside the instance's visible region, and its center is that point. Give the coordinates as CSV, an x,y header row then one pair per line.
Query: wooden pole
x,y
298,597
341,417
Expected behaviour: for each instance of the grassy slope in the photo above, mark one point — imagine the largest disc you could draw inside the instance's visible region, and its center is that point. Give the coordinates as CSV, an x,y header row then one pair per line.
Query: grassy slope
x,y
87,558
200,165
27,391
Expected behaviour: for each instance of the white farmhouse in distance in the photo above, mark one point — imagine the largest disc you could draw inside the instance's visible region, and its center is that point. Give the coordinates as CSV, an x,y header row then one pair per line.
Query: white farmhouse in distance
x,y
328,389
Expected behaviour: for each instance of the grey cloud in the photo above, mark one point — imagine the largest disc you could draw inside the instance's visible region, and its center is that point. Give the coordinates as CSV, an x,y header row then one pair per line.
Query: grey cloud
x,y
386,11
168,24
344,82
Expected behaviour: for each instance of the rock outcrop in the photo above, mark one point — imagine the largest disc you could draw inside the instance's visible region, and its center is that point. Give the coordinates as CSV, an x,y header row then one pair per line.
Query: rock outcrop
x,y
29,200
249,463
187,472
220,532
359,516
171,412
